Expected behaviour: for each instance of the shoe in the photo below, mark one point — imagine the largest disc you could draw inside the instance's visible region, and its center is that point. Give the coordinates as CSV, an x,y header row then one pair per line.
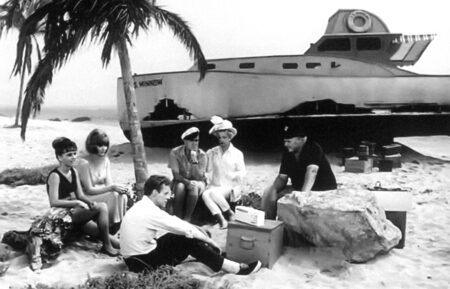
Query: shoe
x,y
251,268
111,254
229,215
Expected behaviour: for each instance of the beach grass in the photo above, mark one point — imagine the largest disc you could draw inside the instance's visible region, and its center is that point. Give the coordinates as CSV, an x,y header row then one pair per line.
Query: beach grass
x,y
164,277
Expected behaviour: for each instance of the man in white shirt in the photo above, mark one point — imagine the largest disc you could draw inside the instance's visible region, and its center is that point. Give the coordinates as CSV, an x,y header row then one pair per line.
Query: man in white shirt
x,y
154,237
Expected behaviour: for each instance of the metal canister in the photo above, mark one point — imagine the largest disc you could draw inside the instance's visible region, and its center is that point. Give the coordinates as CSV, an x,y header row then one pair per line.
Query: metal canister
x,y
371,146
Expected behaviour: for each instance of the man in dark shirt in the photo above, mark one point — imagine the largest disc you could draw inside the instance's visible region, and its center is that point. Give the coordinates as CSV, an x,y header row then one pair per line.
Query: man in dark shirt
x,y
305,164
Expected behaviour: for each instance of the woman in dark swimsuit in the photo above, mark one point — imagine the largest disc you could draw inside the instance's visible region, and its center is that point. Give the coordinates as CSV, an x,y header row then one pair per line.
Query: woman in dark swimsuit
x,y
64,191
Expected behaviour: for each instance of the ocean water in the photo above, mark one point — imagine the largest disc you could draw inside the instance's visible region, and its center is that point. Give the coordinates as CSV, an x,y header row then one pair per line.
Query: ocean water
x,y
100,114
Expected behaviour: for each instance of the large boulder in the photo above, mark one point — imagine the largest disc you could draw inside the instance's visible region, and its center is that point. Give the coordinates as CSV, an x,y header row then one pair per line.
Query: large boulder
x,y
347,219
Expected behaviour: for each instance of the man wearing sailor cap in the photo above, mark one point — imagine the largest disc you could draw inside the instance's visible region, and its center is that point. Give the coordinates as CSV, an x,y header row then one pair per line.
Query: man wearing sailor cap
x,y
188,165
305,164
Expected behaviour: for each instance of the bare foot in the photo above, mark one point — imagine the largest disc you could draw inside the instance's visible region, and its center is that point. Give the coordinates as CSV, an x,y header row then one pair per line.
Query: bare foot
x,y
223,224
109,251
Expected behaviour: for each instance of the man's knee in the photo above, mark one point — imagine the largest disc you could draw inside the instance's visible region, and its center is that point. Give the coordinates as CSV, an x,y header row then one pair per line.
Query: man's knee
x,y
285,191
196,189
270,193
179,188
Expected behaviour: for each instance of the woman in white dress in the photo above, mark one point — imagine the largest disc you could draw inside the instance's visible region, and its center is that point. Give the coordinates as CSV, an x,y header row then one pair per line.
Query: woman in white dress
x,y
226,172
95,176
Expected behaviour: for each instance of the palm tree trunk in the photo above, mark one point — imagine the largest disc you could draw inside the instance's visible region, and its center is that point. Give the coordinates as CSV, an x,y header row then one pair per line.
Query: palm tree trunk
x,y
19,103
137,144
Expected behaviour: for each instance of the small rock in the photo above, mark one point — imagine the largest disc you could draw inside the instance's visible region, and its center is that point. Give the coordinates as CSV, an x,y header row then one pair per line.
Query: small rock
x,y
81,119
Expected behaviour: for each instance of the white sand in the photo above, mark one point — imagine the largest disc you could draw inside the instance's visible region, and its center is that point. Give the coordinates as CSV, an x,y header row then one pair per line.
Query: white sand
x,y
423,263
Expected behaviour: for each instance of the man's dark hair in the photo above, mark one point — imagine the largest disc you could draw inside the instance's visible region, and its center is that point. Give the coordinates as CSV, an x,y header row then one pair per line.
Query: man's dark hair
x,y
155,182
292,130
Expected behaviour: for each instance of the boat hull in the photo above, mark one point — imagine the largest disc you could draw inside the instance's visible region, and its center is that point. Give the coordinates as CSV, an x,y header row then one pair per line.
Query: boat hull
x,y
332,131
258,104
231,94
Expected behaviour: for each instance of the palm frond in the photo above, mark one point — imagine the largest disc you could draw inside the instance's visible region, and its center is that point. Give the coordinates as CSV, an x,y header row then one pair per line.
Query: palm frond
x,y
35,91
70,23
30,27
182,31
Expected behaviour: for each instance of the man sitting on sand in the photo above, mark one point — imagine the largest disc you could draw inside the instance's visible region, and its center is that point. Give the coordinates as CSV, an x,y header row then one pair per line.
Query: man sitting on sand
x,y
305,164
188,165
152,237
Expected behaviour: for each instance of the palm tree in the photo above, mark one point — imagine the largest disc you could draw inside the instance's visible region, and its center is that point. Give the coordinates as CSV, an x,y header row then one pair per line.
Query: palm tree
x,y
69,23
12,15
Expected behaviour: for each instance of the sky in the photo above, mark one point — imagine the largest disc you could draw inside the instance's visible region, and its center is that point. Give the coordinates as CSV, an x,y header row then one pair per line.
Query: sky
x,y
228,28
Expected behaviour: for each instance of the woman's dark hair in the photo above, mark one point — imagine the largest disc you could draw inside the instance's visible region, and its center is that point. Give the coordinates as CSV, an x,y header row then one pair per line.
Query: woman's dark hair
x,y
63,145
154,183
96,138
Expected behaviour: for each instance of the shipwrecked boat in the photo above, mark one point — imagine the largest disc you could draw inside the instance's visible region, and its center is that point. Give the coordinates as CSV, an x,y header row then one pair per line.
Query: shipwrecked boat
x,y
346,87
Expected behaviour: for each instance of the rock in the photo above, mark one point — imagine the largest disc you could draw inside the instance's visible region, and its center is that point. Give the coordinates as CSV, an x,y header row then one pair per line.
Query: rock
x,y
347,219
54,119
25,176
81,119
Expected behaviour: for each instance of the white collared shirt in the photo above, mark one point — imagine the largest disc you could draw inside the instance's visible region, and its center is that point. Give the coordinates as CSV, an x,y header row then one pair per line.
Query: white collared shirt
x,y
144,223
226,169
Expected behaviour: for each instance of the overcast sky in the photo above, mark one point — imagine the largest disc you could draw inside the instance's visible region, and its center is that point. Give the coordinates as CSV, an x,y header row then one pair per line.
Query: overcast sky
x,y
229,28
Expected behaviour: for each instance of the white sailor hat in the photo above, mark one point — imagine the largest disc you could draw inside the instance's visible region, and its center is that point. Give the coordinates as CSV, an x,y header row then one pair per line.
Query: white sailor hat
x,y
189,131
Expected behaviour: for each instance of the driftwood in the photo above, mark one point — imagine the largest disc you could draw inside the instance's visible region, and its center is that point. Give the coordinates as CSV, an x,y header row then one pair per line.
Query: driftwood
x,y
24,176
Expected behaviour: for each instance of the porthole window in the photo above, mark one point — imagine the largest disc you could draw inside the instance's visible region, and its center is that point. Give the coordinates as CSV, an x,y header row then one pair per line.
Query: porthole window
x,y
313,65
247,65
290,65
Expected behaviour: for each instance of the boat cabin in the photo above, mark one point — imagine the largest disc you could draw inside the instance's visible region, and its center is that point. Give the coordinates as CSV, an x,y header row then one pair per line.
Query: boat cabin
x,y
363,35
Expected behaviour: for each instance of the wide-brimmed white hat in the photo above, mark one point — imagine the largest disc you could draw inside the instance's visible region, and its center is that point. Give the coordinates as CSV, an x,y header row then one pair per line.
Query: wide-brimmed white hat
x,y
189,131
222,124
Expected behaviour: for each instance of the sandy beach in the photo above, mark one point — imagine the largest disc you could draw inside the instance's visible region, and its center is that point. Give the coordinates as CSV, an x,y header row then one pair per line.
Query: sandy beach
x,y
422,263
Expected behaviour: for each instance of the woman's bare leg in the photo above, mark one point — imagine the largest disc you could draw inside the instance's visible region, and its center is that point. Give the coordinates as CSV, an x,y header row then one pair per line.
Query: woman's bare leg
x,y
101,228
